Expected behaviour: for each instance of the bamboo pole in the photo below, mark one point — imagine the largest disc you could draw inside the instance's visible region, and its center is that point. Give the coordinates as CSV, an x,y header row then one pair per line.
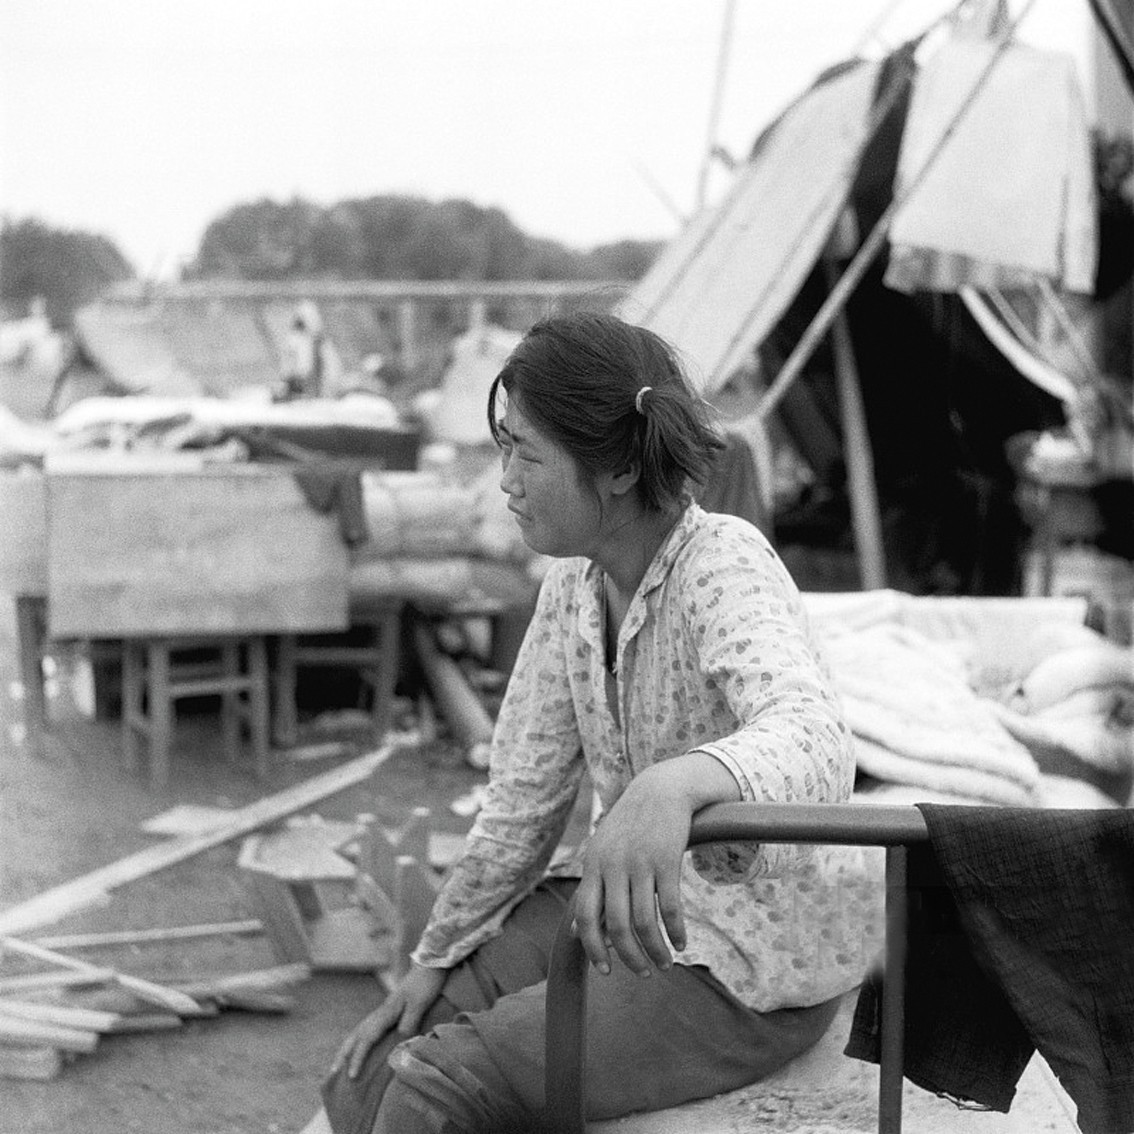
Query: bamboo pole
x,y
858,454
718,98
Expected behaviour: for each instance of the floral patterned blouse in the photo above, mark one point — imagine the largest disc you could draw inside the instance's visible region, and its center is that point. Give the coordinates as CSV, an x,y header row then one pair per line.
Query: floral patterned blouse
x,y
715,654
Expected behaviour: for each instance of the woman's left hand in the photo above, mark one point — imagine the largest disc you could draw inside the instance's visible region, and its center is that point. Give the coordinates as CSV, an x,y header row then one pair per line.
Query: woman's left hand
x,y
632,876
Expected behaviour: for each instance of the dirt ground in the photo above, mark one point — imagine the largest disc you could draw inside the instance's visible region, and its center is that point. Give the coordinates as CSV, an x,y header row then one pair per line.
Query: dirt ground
x,y
75,809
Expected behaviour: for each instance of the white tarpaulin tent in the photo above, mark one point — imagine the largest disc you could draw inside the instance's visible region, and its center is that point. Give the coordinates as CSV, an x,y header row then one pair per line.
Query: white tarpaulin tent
x,y
723,284
719,288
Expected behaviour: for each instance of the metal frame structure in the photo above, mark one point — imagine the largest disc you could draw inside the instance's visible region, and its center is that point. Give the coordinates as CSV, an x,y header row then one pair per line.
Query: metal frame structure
x,y
894,827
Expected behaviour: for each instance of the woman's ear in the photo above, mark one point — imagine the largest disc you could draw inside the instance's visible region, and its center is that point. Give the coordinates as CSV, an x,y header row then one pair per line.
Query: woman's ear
x,y
622,482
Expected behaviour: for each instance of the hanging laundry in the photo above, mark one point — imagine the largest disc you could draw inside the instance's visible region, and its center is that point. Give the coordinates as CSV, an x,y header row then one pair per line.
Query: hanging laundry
x,y
1010,195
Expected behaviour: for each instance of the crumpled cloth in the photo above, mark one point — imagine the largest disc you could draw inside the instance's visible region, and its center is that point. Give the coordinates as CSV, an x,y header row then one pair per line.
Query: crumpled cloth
x,y
1021,924
339,493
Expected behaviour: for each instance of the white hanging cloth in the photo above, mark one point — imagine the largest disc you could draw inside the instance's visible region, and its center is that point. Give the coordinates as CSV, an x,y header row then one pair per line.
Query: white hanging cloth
x,y
1011,194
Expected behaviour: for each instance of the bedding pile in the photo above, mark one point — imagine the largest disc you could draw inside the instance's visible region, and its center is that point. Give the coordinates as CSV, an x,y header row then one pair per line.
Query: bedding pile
x,y
1023,712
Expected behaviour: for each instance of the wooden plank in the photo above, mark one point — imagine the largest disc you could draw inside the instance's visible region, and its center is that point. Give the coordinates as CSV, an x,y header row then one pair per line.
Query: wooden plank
x,y
28,1033
66,1016
306,852
147,990
58,978
127,1005
255,980
23,520
90,888
280,913
147,936
151,553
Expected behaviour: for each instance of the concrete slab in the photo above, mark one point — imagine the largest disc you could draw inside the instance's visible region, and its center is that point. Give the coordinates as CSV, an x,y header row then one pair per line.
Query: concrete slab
x,y
826,1092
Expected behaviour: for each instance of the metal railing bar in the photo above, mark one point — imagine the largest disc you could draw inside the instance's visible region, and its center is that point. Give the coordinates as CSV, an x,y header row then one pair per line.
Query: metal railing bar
x,y
891,1053
889,826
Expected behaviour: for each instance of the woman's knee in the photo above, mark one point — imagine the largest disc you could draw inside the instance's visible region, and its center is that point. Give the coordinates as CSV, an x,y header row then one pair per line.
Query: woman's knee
x,y
405,1110
447,1081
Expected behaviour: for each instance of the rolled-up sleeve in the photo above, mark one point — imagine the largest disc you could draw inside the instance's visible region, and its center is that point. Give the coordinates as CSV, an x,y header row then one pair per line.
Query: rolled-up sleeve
x,y
753,644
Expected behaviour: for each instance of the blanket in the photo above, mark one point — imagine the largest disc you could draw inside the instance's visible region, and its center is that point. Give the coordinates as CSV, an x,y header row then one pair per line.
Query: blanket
x,y
916,719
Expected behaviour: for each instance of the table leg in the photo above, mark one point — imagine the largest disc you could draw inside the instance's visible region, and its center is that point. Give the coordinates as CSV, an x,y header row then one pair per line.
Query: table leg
x,y
31,630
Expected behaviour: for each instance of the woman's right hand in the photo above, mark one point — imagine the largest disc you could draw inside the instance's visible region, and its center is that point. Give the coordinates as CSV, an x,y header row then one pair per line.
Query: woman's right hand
x,y
403,1009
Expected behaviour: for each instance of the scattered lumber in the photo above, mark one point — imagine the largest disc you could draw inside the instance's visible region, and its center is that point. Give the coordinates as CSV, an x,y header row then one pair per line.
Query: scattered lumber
x,y
35,1036
255,980
211,993
18,1032
60,1014
121,1001
56,979
245,926
168,998
90,888
265,1003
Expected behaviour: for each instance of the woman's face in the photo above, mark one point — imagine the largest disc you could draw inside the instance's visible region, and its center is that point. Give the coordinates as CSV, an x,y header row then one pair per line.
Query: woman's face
x,y
558,511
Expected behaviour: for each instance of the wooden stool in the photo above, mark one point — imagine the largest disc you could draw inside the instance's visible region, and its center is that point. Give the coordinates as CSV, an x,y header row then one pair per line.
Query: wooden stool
x,y
385,886
375,661
156,674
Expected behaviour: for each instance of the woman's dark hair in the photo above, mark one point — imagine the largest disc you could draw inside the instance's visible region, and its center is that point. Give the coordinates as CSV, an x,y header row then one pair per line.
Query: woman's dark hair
x,y
580,380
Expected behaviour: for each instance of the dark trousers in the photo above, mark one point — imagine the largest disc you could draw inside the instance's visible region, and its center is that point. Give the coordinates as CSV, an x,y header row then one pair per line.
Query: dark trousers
x,y
479,1065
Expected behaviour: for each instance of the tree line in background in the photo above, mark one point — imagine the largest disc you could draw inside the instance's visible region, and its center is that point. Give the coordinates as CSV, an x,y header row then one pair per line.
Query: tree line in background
x,y
397,237
381,237
65,268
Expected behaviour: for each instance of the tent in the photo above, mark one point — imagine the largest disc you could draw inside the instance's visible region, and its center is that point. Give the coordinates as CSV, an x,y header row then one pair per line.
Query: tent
x,y
848,196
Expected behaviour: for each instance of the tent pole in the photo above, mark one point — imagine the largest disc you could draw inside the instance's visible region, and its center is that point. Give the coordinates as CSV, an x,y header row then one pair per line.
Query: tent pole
x,y
1116,35
872,245
859,457
718,95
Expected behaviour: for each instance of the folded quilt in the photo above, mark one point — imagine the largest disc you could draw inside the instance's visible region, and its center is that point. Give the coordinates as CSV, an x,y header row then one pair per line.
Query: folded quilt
x,y
916,720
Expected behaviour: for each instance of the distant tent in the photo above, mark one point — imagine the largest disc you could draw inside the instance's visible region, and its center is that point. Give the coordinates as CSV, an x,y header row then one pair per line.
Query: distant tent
x,y
199,345
460,416
32,356
129,345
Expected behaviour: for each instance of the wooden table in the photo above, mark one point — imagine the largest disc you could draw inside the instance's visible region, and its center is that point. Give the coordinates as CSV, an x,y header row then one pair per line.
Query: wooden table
x,y
101,546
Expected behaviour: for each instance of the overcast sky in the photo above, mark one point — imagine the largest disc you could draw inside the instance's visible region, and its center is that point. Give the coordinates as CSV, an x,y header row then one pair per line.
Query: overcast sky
x,y
585,120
